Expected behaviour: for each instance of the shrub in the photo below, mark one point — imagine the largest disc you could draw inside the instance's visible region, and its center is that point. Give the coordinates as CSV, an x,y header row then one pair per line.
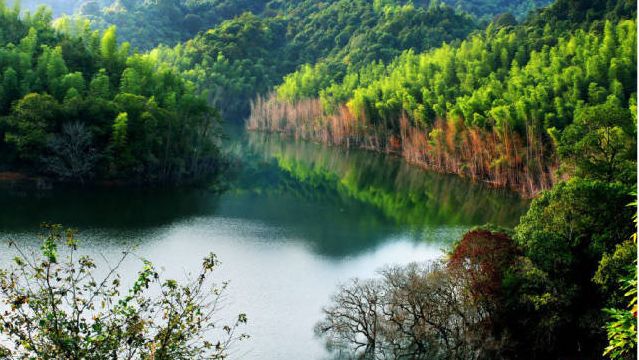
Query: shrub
x,y
54,306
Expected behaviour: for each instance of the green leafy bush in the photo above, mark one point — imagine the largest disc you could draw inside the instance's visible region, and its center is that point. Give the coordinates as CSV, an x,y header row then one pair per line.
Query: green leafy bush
x,y
58,304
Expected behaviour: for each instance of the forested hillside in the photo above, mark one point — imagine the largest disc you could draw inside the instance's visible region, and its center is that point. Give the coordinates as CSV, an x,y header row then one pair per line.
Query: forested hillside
x,y
249,47
79,106
343,34
487,9
249,54
506,105
148,23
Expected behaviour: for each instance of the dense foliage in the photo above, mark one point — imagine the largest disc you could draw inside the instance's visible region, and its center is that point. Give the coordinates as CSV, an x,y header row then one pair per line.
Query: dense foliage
x,y
77,105
490,8
345,35
564,235
493,107
622,327
146,24
249,54
397,28
57,304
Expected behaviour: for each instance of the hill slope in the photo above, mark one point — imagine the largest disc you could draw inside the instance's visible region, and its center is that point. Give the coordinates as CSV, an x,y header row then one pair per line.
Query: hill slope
x,y
493,107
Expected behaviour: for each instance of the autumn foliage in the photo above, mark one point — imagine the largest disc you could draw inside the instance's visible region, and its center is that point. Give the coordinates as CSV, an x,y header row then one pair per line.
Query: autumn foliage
x,y
501,158
483,256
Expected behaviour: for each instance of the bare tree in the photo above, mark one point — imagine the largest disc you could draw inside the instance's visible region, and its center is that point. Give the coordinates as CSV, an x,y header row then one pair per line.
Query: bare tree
x,y
414,312
72,154
353,320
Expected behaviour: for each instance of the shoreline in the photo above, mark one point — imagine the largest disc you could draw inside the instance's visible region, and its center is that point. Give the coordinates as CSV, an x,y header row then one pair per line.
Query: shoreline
x,y
528,195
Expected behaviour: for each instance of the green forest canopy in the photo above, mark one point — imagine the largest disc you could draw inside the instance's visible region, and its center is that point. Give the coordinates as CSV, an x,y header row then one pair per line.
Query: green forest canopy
x,y
349,34
148,23
82,106
249,54
566,76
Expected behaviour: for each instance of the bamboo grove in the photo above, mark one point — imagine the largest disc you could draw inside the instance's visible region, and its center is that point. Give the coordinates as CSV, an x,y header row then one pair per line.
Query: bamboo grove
x,y
495,107
77,106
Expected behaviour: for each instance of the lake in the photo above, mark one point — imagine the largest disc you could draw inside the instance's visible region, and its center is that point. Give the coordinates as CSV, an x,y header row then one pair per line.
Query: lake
x,y
295,220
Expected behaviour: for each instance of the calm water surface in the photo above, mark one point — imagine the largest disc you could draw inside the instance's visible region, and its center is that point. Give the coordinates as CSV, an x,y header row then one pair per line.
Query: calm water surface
x,y
297,220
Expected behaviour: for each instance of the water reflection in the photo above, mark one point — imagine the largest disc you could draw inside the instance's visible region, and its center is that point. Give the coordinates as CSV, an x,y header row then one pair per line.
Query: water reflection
x,y
340,202
295,220
403,193
23,208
